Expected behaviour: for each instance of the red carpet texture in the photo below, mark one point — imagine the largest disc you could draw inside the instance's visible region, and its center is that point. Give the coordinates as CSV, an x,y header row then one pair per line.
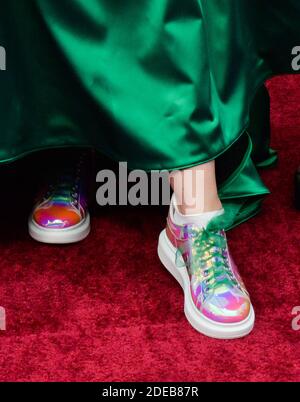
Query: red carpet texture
x,y
106,310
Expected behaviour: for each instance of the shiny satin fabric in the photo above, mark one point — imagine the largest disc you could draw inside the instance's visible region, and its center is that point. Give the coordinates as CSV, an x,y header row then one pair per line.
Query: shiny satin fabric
x,y
161,84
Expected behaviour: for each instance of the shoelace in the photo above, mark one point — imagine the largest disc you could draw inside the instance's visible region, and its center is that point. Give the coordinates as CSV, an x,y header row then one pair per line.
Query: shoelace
x,y
66,188
210,256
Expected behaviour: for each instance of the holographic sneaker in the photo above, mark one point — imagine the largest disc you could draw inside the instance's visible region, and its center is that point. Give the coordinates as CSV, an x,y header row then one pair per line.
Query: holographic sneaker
x,y
216,302
60,215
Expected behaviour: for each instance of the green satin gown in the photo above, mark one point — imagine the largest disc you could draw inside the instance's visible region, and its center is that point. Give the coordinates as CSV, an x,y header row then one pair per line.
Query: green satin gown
x,y
161,84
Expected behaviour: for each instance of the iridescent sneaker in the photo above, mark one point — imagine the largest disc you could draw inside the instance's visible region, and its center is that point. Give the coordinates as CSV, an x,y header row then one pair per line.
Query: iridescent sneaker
x,y
216,302
60,215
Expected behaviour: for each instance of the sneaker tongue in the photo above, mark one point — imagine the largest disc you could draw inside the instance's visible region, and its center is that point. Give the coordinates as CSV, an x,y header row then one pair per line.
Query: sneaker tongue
x,y
206,219
217,222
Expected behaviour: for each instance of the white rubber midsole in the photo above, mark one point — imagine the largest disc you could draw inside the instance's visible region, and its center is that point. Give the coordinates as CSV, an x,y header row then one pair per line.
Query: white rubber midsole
x,y
167,255
72,234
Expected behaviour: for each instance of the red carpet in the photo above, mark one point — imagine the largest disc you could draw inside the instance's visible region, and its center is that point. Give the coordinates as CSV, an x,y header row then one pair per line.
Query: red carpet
x,y
106,310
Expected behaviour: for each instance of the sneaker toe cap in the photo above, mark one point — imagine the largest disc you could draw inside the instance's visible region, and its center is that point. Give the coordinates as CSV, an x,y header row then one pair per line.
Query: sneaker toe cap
x,y
227,308
56,217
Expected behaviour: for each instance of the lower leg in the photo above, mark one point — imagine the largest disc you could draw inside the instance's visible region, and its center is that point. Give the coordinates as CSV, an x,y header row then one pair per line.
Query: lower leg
x,y
196,190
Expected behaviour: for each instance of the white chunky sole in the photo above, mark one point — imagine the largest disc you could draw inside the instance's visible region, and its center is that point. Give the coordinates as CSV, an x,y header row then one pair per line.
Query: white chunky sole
x,y
72,234
167,255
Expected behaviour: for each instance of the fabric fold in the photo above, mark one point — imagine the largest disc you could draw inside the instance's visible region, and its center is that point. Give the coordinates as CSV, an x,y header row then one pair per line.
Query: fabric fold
x,y
160,84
